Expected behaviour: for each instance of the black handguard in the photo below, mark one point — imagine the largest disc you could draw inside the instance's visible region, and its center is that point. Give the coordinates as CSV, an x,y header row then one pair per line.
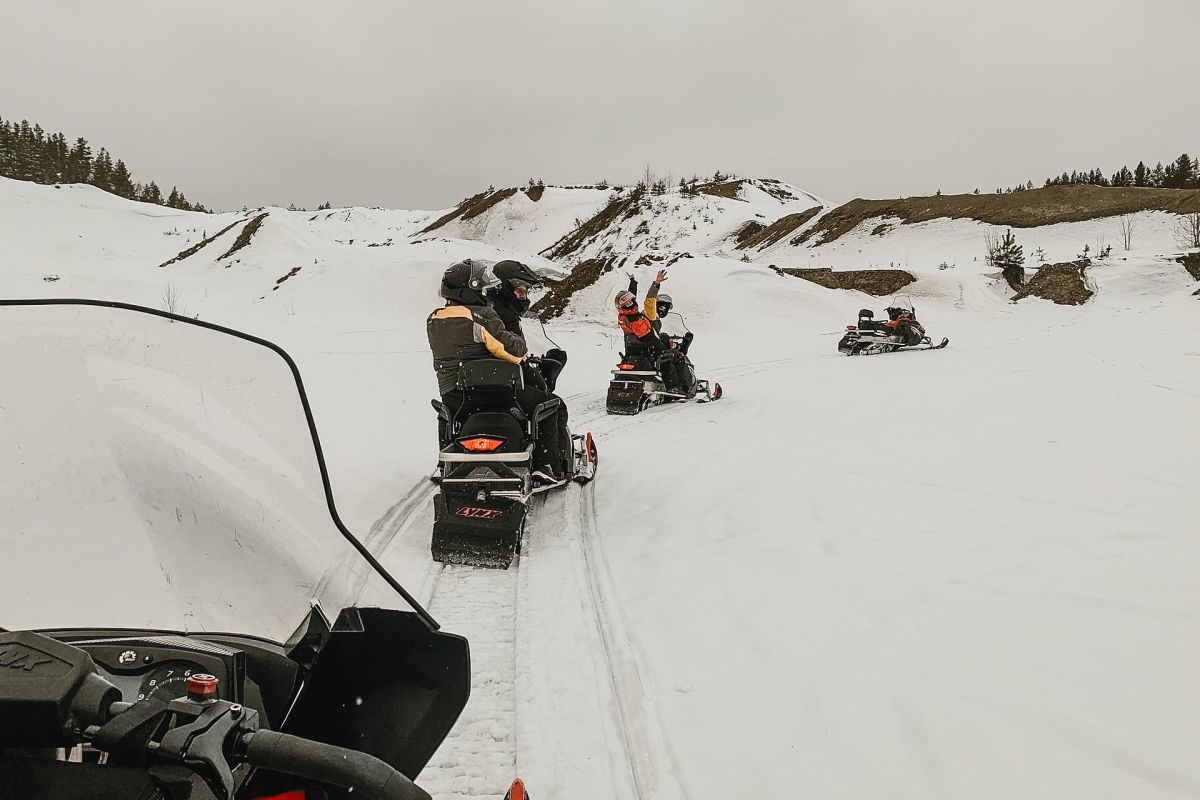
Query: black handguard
x,y
369,777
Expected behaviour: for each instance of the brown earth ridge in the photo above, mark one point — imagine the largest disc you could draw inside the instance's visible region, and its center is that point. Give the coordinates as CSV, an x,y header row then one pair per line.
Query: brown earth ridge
x,y
1031,208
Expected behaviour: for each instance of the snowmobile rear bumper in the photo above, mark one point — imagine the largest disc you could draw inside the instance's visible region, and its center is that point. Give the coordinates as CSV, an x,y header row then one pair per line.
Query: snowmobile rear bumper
x,y
626,397
480,533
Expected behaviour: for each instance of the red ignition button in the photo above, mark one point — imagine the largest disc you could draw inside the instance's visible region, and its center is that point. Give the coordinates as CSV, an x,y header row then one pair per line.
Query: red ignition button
x,y
202,688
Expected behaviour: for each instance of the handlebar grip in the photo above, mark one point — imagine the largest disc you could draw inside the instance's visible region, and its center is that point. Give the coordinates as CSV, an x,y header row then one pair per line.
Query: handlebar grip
x,y
349,769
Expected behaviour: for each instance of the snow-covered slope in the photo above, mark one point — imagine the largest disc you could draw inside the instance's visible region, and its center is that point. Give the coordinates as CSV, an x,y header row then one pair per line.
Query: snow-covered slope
x,y
658,226
963,573
529,220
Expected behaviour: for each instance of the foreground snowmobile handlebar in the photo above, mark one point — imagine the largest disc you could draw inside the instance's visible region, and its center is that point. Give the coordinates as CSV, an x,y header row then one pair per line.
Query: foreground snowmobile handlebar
x,y
51,695
336,766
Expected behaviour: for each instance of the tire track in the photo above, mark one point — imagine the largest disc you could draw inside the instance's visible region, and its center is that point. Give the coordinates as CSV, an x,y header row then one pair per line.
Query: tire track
x,y
651,760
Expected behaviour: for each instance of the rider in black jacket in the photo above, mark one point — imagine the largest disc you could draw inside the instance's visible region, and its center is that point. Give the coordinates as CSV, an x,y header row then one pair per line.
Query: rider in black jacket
x,y
510,299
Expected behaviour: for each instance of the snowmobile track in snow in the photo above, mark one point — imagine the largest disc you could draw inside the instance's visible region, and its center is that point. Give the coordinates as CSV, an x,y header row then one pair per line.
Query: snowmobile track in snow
x,y
478,758
646,745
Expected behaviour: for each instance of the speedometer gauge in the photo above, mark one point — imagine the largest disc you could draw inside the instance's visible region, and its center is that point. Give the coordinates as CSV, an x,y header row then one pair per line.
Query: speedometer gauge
x,y
168,681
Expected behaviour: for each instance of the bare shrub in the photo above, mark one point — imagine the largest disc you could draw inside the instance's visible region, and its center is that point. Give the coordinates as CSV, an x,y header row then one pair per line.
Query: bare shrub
x,y
1187,231
1127,223
170,301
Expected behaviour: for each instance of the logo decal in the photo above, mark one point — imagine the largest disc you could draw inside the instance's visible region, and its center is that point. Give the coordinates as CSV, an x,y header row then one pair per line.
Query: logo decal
x,y
478,513
17,657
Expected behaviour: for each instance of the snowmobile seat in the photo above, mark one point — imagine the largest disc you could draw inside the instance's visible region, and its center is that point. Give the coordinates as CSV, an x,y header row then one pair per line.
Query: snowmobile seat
x,y
866,313
641,361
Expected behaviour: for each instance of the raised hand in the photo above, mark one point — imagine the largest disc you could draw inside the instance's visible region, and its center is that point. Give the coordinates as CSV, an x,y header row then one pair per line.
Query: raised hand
x,y
662,276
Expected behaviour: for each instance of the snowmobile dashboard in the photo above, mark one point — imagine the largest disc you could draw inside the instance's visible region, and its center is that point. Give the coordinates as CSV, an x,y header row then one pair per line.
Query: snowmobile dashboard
x,y
155,664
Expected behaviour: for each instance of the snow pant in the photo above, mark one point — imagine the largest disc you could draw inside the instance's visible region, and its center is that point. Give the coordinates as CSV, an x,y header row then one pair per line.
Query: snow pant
x,y
552,447
908,332
677,372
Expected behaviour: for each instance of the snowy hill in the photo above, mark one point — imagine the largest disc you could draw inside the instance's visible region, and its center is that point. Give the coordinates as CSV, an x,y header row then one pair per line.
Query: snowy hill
x,y
528,220
657,226
963,573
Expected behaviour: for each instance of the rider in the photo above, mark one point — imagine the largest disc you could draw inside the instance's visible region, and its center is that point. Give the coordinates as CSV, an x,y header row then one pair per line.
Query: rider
x,y
467,329
641,327
669,327
510,299
902,325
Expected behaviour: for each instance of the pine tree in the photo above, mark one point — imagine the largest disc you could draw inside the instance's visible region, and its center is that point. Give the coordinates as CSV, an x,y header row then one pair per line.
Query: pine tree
x,y
102,171
1158,176
1140,175
1170,178
122,181
1009,257
151,194
1185,172
24,160
79,162
173,198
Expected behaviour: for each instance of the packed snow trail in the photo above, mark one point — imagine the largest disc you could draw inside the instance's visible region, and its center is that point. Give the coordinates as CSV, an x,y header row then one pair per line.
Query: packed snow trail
x,y
478,758
554,606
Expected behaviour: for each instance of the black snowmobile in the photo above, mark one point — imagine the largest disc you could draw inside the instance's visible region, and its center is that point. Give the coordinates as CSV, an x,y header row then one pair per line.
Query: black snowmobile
x,y
902,331
487,472
638,383
188,617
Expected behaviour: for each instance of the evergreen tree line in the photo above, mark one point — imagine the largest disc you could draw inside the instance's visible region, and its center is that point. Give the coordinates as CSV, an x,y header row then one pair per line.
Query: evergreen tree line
x,y
1182,173
28,153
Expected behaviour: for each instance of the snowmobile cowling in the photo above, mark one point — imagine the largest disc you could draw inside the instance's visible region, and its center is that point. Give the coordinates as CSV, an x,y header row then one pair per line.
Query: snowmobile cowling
x,y
196,528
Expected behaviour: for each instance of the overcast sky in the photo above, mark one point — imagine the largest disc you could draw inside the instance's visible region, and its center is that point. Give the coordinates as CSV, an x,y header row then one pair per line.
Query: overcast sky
x,y
418,103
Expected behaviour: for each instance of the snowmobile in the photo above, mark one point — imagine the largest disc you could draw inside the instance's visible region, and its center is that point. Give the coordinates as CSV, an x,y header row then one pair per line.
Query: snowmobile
x,y
637,383
487,471
187,616
902,331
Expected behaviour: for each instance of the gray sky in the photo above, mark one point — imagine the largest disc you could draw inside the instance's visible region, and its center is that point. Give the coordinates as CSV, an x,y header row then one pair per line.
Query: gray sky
x,y
418,103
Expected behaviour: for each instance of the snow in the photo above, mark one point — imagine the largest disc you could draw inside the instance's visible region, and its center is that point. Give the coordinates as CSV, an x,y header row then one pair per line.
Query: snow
x,y
529,226
962,573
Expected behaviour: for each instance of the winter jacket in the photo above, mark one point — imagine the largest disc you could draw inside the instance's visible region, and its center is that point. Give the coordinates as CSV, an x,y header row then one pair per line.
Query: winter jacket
x,y
509,307
640,325
459,333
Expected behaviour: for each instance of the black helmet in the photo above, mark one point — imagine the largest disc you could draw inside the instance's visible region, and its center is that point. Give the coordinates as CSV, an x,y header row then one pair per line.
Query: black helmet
x,y
664,304
514,273
464,282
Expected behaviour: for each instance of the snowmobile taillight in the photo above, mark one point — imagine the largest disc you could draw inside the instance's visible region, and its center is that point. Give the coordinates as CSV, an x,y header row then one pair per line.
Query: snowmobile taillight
x,y
202,688
851,327
481,444
624,366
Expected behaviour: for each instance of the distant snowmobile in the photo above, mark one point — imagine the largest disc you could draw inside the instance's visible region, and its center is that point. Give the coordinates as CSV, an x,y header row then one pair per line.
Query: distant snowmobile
x,y
487,470
901,331
638,382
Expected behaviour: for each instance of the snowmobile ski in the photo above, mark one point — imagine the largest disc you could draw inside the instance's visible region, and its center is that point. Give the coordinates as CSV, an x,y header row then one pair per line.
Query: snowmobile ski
x,y
516,791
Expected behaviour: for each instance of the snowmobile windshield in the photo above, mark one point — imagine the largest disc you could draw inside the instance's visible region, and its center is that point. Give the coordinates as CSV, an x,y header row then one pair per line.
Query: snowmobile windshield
x,y
163,474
